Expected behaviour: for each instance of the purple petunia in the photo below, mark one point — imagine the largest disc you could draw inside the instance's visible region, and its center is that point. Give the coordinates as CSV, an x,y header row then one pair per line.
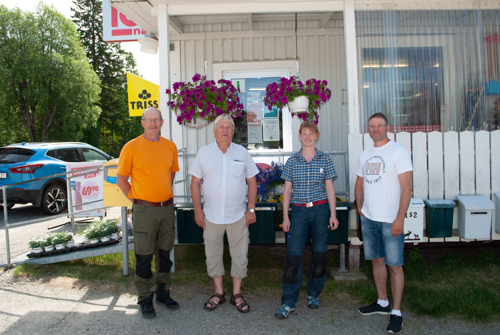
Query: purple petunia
x,y
196,77
284,99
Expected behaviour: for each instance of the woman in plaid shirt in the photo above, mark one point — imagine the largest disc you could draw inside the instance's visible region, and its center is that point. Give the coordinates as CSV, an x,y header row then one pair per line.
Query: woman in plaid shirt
x,y
309,176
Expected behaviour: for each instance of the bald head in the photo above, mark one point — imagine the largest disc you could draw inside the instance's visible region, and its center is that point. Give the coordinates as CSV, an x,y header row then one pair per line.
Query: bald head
x,y
151,113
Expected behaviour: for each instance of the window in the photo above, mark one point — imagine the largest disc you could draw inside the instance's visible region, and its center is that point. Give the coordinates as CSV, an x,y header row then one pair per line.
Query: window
x,y
405,84
14,155
260,128
93,156
66,155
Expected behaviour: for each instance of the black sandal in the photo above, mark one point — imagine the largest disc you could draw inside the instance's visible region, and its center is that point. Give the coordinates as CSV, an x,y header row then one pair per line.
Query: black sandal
x,y
210,305
240,306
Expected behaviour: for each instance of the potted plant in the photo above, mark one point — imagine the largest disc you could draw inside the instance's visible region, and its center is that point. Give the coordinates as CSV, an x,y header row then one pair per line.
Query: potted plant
x,y
112,229
204,99
58,240
94,232
47,243
36,244
61,239
292,90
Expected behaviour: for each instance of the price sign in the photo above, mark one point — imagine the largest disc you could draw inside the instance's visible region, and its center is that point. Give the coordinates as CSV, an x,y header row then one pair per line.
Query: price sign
x,y
86,188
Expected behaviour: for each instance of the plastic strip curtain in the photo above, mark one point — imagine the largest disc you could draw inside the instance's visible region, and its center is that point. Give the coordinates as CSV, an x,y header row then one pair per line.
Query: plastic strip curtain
x,y
430,70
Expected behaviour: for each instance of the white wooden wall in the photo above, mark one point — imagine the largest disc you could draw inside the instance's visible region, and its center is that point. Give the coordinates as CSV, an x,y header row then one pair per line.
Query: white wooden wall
x,y
444,165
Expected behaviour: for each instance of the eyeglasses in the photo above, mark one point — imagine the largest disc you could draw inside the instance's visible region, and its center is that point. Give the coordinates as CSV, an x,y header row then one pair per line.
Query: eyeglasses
x,y
151,120
380,126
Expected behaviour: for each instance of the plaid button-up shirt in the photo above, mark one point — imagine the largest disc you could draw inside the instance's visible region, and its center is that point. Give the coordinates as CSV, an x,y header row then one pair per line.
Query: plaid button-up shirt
x,y
308,178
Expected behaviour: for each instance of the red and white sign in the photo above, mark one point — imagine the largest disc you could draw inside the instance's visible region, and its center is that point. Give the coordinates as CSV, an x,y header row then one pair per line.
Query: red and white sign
x,y
86,188
117,27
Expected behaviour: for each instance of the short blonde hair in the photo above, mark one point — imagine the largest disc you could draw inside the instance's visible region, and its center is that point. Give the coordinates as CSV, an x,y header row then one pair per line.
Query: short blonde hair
x,y
309,125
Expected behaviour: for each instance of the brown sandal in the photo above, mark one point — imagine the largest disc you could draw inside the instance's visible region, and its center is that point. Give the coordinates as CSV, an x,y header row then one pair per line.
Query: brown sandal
x,y
210,305
240,306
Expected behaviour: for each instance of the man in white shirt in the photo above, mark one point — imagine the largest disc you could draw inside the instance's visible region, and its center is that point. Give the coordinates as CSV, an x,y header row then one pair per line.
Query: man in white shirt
x,y
383,192
225,168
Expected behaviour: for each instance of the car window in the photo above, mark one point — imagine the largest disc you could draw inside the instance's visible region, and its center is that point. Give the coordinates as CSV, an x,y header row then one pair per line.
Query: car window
x,y
14,155
67,155
93,156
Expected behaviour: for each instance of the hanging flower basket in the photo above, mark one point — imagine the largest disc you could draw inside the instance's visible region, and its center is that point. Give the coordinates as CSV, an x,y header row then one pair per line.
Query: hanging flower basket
x,y
299,105
204,100
289,90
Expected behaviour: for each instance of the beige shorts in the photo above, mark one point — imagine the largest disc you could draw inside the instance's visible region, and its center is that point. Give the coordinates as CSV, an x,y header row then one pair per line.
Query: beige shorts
x,y
237,236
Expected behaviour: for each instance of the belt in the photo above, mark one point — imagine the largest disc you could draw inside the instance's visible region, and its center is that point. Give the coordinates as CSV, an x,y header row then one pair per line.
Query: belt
x,y
311,204
153,204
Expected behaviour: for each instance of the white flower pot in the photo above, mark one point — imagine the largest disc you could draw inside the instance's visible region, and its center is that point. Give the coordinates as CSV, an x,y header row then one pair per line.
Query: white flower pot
x,y
115,236
37,250
105,238
49,248
299,105
70,244
60,246
94,241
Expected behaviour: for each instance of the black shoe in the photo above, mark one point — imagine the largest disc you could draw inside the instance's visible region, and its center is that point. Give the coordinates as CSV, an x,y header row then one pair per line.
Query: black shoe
x,y
395,324
147,309
163,297
375,309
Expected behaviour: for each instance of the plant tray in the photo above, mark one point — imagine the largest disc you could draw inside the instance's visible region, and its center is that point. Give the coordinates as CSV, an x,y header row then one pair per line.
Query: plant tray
x,y
76,247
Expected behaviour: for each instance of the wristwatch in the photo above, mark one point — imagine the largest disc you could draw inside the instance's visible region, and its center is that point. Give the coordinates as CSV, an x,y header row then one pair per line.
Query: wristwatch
x,y
251,210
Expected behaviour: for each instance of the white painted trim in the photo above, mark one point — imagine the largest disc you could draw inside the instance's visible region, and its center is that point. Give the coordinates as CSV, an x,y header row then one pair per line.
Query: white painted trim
x,y
351,68
164,59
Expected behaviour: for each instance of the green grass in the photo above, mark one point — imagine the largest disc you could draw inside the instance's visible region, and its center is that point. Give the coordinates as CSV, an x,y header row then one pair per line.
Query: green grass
x,y
454,285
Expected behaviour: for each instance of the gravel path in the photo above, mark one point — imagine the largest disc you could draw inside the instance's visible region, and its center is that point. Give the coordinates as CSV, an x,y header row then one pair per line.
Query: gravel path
x,y
31,306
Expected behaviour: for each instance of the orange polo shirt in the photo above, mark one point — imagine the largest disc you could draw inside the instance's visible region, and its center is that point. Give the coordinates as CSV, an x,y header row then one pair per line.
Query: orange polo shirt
x,y
149,165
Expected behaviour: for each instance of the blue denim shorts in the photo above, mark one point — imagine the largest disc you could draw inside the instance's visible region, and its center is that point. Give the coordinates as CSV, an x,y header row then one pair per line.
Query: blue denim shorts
x,y
378,242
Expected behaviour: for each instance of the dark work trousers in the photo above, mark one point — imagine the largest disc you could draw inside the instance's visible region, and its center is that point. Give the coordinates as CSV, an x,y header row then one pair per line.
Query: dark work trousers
x,y
154,228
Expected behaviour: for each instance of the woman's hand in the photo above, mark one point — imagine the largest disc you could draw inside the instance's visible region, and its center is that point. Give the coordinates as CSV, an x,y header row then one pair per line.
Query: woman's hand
x,y
286,224
334,223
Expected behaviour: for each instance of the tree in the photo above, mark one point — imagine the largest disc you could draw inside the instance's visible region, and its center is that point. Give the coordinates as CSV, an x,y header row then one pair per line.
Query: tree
x,y
48,88
111,63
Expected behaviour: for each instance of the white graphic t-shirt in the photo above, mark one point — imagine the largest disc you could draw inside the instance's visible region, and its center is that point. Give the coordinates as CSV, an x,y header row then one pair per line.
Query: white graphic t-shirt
x,y
380,167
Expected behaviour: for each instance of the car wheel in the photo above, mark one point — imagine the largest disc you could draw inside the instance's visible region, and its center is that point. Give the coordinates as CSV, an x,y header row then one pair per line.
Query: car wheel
x,y
53,200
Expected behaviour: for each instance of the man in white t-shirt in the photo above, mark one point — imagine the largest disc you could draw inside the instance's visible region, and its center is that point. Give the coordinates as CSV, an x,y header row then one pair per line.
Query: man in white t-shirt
x,y
226,169
383,192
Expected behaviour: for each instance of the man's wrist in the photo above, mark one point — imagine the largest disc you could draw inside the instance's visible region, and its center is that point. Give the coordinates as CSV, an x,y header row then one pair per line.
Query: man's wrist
x,y
251,210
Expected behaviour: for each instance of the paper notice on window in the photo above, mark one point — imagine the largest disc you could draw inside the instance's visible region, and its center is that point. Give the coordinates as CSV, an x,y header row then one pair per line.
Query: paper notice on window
x,y
271,129
254,112
254,132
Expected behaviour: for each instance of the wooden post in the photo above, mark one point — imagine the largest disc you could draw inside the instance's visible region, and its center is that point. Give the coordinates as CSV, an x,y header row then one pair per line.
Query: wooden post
x,y
354,254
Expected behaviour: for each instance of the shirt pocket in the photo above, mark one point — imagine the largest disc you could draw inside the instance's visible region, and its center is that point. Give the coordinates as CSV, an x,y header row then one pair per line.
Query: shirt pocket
x,y
237,168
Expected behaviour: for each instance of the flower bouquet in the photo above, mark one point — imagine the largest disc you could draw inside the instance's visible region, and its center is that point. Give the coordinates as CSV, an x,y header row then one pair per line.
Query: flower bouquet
x,y
289,89
204,99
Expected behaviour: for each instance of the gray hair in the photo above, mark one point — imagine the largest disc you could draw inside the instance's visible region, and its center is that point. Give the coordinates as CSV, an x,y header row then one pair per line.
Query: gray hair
x,y
150,109
225,117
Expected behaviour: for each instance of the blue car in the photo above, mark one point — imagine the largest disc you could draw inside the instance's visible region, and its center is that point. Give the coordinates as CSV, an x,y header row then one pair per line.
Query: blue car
x,y
27,161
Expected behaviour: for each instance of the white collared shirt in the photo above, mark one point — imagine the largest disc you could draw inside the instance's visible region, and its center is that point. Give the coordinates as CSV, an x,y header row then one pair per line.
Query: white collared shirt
x,y
224,181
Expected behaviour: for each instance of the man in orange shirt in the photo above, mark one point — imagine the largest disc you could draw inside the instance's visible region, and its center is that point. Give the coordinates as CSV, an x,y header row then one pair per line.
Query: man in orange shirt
x,y
151,163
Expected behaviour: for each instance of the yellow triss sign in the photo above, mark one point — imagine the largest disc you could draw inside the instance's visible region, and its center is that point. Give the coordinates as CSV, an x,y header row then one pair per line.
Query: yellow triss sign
x,y
142,94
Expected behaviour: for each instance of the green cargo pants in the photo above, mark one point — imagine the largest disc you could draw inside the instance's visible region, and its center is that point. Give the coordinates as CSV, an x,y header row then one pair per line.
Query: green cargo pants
x,y
154,229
